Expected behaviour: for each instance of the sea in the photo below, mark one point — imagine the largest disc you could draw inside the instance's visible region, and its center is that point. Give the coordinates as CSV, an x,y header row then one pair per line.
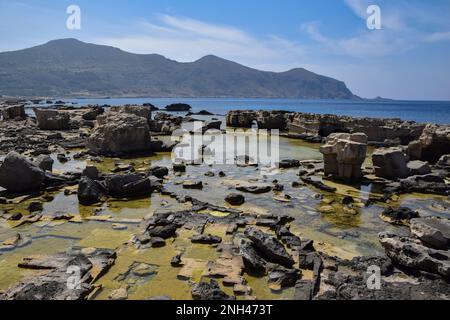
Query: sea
x,y
419,111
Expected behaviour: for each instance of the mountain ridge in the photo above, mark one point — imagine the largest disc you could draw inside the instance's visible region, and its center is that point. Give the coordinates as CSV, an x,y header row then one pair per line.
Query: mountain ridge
x,y
70,67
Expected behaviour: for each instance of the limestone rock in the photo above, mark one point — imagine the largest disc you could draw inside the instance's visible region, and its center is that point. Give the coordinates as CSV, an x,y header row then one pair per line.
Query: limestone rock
x,y
344,154
433,231
418,168
118,134
390,163
18,174
50,119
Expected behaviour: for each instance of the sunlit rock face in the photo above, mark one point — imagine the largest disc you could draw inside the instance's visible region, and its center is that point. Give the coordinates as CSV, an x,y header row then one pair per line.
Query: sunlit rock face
x,y
390,163
344,154
118,134
432,144
52,119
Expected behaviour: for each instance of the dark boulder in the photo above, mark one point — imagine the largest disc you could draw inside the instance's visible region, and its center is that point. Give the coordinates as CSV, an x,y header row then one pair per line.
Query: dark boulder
x,y
18,174
89,191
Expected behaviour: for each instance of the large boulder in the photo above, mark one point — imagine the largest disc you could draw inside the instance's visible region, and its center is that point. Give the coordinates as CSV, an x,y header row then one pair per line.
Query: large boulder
x,y
344,153
19,174
130,185
49,119
432,231
432,144
15,112
118,134
89,191
390,163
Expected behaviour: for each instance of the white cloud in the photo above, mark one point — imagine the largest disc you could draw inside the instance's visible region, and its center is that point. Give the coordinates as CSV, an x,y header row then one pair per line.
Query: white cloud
x,y
185,39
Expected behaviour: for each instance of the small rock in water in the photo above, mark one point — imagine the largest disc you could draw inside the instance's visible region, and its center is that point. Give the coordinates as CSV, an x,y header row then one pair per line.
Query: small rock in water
x,y
235,199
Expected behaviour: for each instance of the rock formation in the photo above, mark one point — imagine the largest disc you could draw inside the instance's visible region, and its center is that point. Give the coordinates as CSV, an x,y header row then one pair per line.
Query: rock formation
x,y
119,134
14,112
18,174
49,119
344,154
432,144
390,163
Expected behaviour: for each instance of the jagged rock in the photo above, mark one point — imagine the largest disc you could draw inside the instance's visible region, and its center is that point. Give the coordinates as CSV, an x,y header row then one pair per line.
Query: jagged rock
x,y
159,172
269,247
418,168
45,162
50,119
235,199
118,134
430,183
15,112
412,254
18,174
206,239
89,191
60,281
253,263
344,154
432,231
280,278
209,291
390,163
399,216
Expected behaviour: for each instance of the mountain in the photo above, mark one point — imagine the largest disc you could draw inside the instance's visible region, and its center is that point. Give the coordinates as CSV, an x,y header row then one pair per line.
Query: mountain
x,y
68,67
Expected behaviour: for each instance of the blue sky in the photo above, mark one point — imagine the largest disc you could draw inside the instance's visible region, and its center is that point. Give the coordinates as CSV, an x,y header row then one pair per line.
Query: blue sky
x,y
407,59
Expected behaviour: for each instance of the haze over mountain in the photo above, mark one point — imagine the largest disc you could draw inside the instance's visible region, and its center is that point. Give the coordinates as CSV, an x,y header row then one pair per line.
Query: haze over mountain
x,y
71,68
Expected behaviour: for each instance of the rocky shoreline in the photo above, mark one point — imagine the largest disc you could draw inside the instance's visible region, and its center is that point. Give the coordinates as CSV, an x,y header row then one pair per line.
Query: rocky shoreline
x,y
223,247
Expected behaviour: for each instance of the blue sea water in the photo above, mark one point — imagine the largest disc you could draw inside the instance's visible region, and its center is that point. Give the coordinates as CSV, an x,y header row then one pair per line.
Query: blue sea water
x,y
419,111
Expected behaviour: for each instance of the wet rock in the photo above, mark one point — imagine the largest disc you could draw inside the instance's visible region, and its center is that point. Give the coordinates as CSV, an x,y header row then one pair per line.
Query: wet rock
x,y
206,239
432,231
159,172
157,242
89,191
57,281
413,255
430,183
209,291
179,167
399,216
91,172
269,247
210,174
255,189
303,290
287,164
50,119
15,216
390,163
344,154
62,158
193,185
235,199
18,174
45,162
318,184
35,206
118,134
130,185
